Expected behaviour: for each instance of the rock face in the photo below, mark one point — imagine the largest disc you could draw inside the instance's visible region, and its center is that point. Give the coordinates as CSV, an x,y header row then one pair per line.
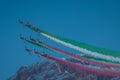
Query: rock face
x,y
54,71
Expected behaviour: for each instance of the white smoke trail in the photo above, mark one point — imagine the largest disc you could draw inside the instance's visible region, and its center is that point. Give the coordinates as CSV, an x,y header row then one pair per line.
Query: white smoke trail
x,y
94,54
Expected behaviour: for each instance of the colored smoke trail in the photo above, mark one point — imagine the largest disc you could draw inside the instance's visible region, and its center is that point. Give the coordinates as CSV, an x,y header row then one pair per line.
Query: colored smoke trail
x,y
82,47
90,53
73,55
81,67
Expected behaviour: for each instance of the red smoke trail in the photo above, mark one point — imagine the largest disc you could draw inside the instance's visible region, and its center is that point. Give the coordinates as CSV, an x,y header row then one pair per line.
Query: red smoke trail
x,y
80,58
81,67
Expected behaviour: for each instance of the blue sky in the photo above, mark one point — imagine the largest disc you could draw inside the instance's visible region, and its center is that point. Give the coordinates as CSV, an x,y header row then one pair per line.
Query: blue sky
x,y
95,22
